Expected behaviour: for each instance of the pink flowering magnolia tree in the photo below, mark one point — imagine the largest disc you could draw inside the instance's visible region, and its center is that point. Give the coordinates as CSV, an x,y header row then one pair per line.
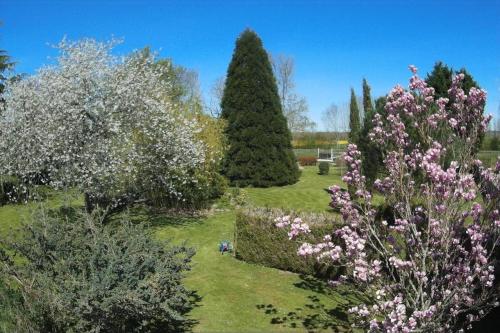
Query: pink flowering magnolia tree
x,y
428,265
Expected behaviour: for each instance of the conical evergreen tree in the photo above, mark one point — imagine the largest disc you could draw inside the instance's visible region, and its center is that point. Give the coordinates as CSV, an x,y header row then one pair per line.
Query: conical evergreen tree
x,y
354,123
370,154
260,151
440,79
367,98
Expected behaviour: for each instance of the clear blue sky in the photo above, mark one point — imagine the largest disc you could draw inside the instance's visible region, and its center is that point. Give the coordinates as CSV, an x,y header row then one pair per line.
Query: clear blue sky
x,y
334,43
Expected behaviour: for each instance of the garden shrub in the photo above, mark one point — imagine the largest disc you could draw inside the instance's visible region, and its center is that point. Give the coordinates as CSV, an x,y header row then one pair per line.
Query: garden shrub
x,y
258,241
324,168
307,160
79,275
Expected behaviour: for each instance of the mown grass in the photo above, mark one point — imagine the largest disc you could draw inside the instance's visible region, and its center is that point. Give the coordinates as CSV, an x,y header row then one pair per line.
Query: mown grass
x,y
235,296
308,194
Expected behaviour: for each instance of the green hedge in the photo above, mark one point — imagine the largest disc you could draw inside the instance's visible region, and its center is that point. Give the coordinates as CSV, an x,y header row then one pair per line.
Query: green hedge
x,y
324,168
259,241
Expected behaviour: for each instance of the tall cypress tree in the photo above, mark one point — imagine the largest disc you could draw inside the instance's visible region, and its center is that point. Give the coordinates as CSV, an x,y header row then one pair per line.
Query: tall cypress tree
x,y
260,151
370,153
367,98
354,123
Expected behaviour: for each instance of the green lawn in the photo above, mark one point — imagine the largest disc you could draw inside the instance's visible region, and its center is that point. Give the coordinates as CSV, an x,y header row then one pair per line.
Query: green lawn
x,y
235,296
307,194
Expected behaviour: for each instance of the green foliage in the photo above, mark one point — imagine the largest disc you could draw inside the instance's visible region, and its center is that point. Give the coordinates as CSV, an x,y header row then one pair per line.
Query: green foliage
x,y
260,151
76,274
441,76
307,160
324,168
372,161
495,143
259,241
367,98
354,123
440,79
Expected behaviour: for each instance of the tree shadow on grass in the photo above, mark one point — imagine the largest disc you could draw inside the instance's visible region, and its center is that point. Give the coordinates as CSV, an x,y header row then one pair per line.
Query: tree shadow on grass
x,y
163,218
315,315
188,324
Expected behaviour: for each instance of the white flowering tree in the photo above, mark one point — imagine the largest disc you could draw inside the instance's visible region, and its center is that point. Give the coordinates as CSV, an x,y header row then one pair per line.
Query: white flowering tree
x,y
98,122
429,264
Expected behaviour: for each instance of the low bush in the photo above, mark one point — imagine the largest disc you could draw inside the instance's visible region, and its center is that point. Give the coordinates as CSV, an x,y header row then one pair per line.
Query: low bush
x,y
259,241
307,160
80,275
324,168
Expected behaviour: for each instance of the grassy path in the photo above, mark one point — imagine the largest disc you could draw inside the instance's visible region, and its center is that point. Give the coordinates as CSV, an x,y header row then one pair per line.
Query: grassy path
x,y
236,295
241,297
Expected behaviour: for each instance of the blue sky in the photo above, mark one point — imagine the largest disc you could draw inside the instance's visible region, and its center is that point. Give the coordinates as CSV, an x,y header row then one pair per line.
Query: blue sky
x,y
334,43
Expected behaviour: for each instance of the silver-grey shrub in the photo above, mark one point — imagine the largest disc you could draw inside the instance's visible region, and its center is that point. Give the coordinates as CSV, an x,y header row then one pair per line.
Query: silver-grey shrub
x,y
76,274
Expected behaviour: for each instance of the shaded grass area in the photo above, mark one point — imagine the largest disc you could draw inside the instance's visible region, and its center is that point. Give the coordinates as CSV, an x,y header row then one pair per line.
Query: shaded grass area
x,y
235,296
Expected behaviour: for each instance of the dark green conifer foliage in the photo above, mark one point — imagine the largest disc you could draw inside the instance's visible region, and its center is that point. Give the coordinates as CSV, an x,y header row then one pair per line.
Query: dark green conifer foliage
x,y
441,76
370,153
367,98
260,151
440,79
354,123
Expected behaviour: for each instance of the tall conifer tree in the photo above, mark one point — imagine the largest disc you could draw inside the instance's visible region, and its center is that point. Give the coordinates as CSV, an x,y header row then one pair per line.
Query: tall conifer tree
x,y
260,151
367,98
354,122
370,154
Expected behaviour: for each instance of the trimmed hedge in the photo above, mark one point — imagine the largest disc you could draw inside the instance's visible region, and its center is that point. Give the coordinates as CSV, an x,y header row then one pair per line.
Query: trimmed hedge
x,y
307,160
259,241
324,168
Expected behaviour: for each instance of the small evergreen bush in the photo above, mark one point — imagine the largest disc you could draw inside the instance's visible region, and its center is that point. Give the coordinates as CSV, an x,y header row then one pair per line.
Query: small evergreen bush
x,y
76,274
324,168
